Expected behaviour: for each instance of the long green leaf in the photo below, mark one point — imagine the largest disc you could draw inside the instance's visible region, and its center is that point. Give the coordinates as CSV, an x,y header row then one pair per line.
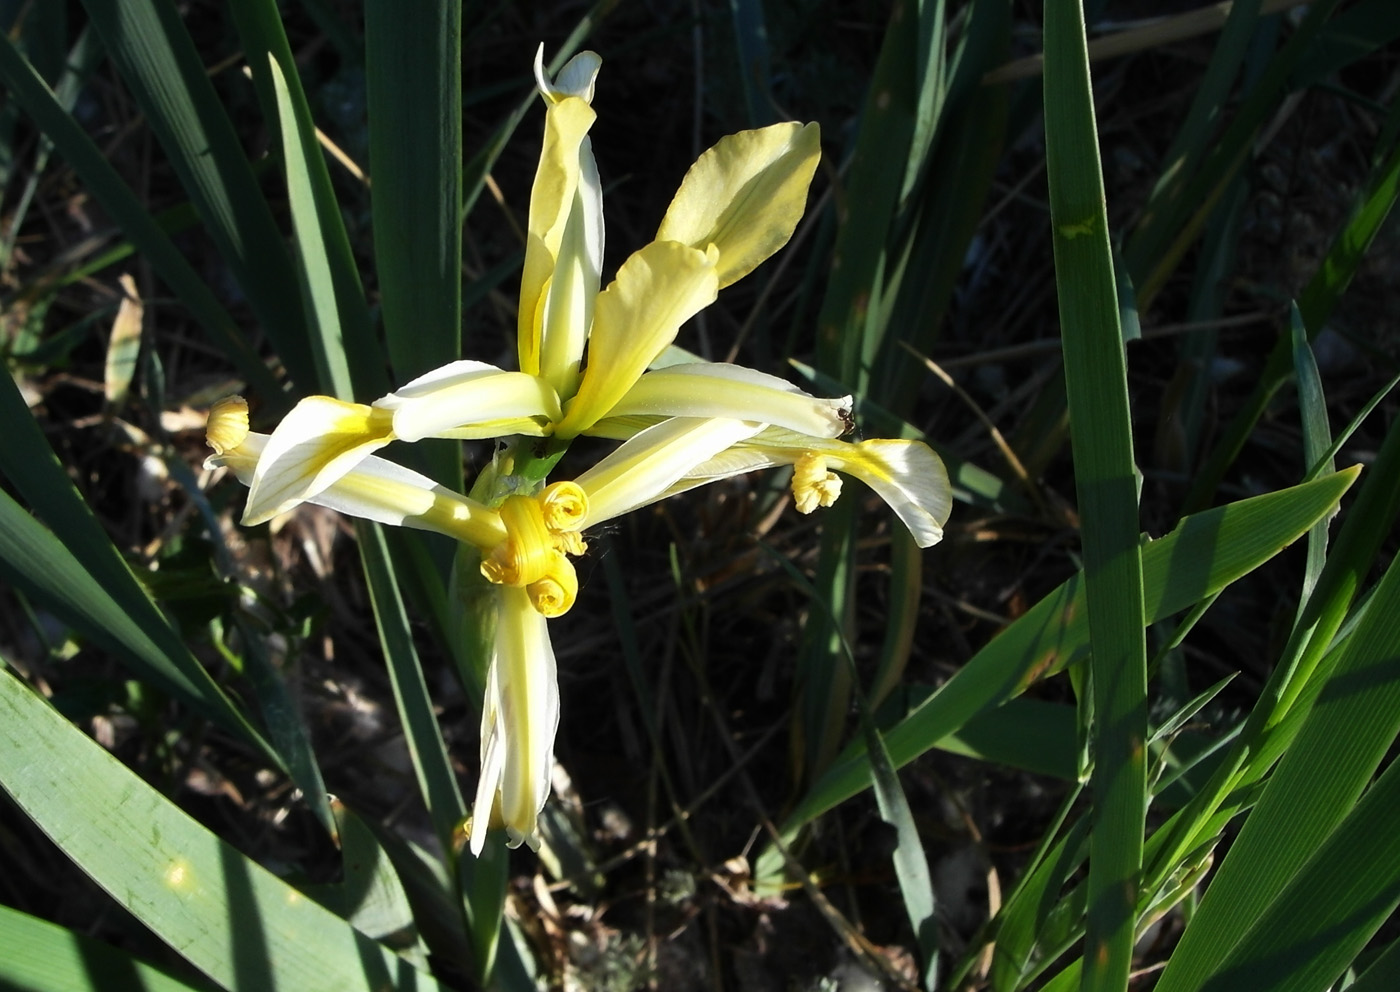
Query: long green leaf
x,y
1325,769
1292,684
1101,430
265,45
1329,911
36,954
78,572
158,61
436,781
239,924
299,151
413,64
1205,553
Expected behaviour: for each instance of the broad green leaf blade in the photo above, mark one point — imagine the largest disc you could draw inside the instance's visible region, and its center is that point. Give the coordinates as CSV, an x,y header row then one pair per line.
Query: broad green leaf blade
x,y
1205,553
1329,911
1292,684
158,61
413,70
265,42
1101,430
78,572
299,150
1029,734
229,917
436,781
37,954
1325,769
101,180
370,895
413,65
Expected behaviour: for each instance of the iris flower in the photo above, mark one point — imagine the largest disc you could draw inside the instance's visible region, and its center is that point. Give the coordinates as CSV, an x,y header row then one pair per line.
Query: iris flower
x,y
586,357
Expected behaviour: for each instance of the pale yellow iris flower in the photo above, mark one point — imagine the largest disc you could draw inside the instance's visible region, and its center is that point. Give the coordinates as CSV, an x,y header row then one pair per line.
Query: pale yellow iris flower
x,y
585,357
583,352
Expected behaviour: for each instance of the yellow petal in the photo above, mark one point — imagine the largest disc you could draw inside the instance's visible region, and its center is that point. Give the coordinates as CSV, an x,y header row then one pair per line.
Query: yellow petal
x,y
227,425
907,475
552,200
313,447
518,722
656,291
644,468
577,78
713,389
745,196
471,400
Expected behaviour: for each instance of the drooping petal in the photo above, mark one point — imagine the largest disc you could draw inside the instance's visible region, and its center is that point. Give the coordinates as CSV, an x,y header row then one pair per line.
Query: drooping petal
x,y
468,399
642,469
656,291
387,493
745,196
713,389
907,475
486,809
312,448
518,722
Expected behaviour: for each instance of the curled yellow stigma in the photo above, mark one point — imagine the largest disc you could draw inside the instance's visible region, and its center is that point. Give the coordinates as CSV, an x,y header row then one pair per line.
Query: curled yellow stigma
x,y
525,555
555,593
812,484
227,427
564,505
539,531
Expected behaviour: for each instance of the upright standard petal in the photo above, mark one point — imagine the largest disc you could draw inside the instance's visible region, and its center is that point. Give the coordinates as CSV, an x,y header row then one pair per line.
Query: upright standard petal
x,y
312,448
468,400
656,291
714,389
745,196
519,719
564,246
643,469
577,78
